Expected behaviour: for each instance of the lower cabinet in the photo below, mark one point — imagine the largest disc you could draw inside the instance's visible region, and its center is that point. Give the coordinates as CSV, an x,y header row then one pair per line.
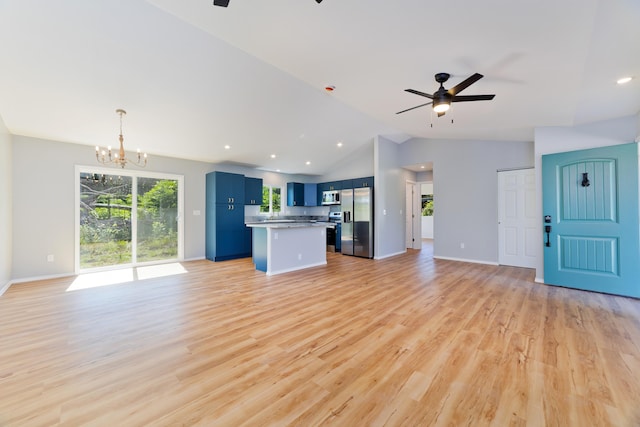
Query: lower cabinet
x,y
226,234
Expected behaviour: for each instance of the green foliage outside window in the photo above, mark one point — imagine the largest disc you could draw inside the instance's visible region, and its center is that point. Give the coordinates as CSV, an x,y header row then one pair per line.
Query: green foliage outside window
x,y
106,204
271,199
427,205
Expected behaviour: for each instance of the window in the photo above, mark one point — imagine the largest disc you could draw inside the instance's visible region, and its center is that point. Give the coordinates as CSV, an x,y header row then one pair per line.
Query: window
x,y
427,205
127,218
270,199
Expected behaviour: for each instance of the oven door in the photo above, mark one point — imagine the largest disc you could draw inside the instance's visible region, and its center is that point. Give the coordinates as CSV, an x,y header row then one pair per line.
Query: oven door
x,y
331,239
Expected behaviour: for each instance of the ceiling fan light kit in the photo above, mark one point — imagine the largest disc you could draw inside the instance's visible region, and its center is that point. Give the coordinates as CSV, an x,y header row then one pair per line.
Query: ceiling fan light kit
x,y
442,98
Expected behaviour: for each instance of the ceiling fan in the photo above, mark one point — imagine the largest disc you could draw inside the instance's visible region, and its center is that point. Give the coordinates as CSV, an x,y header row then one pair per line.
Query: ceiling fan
x,y
443,98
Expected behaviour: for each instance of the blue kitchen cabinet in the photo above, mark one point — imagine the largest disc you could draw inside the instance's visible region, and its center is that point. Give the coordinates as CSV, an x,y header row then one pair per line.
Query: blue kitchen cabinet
x,y
295,194
252,191
326,186
311,195
333,185
346,184
228,187
225,232
363,182
319,189
338,237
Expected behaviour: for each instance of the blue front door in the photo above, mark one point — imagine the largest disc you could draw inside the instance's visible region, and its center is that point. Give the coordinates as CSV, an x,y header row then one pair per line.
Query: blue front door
x,y
590,203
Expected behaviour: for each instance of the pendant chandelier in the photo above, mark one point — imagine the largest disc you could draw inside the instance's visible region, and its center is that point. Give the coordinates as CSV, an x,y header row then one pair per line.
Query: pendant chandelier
x,y
107,157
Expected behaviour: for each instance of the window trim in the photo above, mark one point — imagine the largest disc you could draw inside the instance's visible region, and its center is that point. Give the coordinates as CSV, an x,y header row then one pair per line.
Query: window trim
x,y
270,213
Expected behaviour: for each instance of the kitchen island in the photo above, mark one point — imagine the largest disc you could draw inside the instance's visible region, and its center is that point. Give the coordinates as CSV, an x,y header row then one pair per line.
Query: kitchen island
x,y
283,246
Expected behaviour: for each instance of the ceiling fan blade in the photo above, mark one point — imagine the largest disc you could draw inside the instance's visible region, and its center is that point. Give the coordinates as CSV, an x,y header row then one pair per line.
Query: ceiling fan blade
x,y
441,114
417,92
464,98
223,3
413,108
465,84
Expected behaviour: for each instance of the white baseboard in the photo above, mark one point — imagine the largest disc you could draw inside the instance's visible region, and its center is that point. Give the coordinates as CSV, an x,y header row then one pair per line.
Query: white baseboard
x,y
390,255
474,261
296,268
538,280
31,279
38,278
4,288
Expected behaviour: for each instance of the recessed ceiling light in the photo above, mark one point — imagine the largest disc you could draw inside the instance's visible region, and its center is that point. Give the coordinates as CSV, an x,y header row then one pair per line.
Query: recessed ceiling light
x,y
624,80
277,170
273,156
422,167
339,144
226,147
308,163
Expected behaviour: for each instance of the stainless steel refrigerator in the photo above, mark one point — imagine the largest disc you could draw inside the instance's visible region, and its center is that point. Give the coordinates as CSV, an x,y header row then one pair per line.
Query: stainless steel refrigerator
x,y
357,222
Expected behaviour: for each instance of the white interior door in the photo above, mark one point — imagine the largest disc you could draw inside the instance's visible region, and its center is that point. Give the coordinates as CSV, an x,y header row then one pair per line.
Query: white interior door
x,y
517,218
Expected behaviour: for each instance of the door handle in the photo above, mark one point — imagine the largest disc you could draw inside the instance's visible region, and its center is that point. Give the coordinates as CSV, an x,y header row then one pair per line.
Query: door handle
x,y
547,229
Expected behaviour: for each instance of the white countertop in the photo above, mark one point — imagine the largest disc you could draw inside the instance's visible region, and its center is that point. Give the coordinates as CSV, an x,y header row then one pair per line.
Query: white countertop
x,y
290,224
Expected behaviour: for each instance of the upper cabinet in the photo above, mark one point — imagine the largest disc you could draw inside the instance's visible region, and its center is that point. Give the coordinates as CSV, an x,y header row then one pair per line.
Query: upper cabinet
x,y
363,182
299,194
252,191
333,185
229,187
295,194
311,194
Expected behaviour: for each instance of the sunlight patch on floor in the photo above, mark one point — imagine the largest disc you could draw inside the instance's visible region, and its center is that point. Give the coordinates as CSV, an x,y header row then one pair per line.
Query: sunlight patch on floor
x,y
125,275
160,270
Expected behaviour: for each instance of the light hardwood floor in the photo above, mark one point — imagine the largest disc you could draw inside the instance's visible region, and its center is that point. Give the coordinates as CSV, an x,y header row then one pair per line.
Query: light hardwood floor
x,y
405,341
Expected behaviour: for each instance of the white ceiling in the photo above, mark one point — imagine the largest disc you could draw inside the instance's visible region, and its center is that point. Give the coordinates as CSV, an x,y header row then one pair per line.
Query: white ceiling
x,y
194,77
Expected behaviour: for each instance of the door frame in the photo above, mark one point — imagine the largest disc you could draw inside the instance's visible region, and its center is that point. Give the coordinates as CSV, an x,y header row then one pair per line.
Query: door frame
x,y
413,236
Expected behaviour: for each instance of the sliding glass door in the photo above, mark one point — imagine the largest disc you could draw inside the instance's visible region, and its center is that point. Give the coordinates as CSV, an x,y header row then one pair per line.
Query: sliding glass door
x,y
127,218
157,219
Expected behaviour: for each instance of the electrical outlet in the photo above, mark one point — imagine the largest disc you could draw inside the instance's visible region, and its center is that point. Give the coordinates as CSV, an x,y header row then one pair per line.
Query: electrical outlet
x,y
50,258
461,245
299,257
196,213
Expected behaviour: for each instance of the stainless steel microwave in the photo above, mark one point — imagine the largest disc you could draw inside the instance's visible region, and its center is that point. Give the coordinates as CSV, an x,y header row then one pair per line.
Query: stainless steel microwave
x,y
331,197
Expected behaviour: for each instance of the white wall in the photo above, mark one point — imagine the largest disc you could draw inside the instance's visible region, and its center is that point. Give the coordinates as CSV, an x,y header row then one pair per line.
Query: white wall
x,y
6,223
390,189
358,164
466,191
44,203
561,139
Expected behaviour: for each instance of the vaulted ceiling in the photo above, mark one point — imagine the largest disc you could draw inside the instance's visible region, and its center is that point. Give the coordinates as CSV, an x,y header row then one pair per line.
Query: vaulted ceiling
x,y
195,77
